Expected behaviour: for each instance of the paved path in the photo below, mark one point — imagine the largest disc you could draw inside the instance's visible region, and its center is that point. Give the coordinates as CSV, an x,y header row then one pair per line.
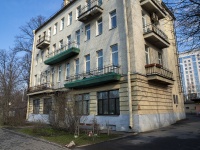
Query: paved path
x,y
184,135
11,141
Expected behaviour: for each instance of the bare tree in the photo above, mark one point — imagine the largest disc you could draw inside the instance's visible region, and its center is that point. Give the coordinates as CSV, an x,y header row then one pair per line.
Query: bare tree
x,y
24,43
187,13
10,80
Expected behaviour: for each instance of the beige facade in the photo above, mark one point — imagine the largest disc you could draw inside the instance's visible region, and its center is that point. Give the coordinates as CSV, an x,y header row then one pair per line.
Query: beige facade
x,y
127,50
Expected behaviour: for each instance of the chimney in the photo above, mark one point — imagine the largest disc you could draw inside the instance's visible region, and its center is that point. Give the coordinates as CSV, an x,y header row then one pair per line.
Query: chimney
x,y
65,2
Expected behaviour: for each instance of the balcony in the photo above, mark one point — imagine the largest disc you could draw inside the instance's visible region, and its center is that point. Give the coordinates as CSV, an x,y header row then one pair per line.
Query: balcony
x,y
153,6
95,77
155,36
63,53
43,42
41,87
157,73
90,11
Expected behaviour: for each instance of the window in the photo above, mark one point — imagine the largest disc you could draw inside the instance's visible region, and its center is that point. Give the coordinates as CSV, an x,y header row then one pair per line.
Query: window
x,y
108,103
70,18
175,98
113,19
47,52
82,103
37,58
144,23
61,46
99,27
78,11
42,56
49,32
114,49
59,73
147,54
100,59
47,106
87,63
52,75
55,28
69,41
35,80
77,66
78,37
87,32
88,4
159,58
62,23
100,2
36,106
67,70
187,107
54,49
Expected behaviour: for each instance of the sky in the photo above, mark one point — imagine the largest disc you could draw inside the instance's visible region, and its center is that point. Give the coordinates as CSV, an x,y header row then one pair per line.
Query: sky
x,y
15,13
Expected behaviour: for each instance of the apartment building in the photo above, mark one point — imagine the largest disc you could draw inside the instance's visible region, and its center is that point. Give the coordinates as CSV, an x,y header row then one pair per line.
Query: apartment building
x,y
190,73
118,57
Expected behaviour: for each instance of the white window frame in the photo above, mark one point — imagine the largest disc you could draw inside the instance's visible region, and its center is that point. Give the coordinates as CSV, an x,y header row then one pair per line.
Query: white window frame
x,y
86,32
147,54
78,11
37,59
98,25
70,18
86,62
160,60
55,28
49,32
54,49
111,17
59,73
77,66
67,71
62,23
69,41
78,34
98,58
113,52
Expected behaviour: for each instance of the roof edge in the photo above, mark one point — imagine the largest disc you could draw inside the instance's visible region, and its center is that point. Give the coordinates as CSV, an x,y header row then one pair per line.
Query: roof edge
x,y
55,15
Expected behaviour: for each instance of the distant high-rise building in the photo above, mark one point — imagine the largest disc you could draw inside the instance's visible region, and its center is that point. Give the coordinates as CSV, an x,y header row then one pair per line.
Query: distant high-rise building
x,y
190,73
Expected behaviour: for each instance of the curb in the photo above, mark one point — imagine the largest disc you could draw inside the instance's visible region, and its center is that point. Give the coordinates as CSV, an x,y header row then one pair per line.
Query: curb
x,y
34,138
117,138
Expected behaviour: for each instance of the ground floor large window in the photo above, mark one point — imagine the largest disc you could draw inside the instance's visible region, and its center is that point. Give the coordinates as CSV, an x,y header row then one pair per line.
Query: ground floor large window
x,y
47,105
108,102
82,103
36,106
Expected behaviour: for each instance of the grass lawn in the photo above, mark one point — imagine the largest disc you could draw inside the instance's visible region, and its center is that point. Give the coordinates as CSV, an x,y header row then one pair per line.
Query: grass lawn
x,y
62,137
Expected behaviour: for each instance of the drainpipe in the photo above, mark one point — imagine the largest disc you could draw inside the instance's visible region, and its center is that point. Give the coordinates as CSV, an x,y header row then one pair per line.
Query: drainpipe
x,y
129,68
30,81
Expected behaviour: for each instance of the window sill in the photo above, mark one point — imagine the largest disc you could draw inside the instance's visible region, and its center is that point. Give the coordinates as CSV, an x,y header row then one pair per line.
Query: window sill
x,y
113,28
98,35
109,115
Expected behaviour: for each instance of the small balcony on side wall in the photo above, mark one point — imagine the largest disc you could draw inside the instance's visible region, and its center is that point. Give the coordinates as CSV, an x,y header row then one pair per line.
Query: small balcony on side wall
x,y
41,87
95,77
158,74
66,52
155,36
43,42
90,11
153,6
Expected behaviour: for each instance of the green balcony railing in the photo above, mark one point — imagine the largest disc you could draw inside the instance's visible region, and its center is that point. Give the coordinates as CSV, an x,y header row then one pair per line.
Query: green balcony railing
x,y
95,77
63,53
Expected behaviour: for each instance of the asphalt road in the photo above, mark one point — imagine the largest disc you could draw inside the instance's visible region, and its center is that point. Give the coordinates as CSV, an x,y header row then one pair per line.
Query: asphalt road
x,y
184,135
